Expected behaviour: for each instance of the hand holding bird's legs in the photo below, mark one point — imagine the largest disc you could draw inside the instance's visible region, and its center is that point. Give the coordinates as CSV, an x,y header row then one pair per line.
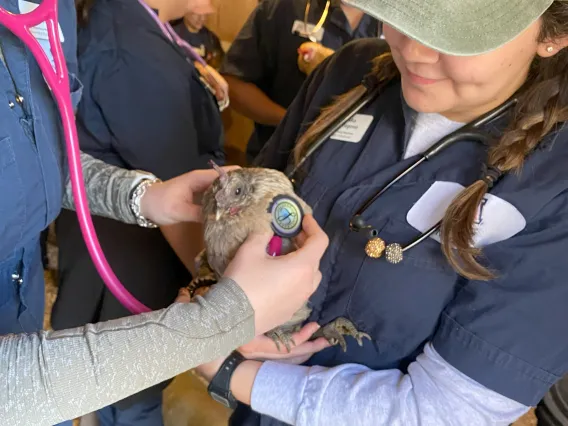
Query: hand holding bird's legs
x,y
280,336
333,332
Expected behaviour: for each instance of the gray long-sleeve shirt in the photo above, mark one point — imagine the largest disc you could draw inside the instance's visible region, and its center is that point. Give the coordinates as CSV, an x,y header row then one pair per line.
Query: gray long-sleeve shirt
x,y
108,189
49,377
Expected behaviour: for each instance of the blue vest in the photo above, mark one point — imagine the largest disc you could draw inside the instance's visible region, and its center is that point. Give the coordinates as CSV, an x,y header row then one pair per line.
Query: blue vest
x,y
31,158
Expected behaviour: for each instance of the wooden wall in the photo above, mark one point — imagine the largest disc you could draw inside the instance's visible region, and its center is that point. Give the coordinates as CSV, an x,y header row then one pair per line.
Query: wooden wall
x,y
230,17
226,23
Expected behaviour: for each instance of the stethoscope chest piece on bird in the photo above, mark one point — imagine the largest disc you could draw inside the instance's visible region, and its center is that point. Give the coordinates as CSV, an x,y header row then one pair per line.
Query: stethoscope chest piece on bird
x,y
287,216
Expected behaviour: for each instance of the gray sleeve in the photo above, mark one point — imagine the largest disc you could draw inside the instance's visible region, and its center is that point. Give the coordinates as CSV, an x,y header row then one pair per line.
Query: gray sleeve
x,y
49,377
553,410
432,393
108,189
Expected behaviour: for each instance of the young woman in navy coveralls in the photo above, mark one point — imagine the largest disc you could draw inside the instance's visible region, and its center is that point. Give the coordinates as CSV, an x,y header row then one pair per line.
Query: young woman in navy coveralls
x,y
469,331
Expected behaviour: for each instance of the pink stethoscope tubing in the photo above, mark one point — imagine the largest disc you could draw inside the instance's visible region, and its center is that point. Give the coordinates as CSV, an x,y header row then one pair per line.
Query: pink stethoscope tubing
x,y
58,81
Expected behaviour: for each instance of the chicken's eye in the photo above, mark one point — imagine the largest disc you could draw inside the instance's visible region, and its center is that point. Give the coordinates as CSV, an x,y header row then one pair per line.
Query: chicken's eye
x,y
238,191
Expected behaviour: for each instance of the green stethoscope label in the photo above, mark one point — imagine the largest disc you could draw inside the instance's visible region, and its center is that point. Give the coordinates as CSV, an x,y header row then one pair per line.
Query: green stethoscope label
x,y
287,215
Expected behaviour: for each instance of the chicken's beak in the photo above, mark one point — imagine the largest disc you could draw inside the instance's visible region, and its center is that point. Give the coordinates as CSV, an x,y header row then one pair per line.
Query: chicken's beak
x,y
218,214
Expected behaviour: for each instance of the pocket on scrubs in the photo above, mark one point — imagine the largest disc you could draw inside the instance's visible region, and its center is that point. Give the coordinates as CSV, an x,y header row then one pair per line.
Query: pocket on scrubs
x,y
22,305
12,210
32,294
9,304
8,290
416,289
22,300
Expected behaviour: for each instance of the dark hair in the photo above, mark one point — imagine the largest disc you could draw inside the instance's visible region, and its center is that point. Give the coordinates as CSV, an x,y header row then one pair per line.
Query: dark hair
x,y
542,104
83,8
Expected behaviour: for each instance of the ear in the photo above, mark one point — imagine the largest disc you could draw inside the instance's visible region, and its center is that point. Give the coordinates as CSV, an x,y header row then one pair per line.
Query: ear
x,y
549,48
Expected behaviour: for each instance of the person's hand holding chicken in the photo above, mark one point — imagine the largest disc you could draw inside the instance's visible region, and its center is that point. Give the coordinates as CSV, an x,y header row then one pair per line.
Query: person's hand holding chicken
x,y
244,202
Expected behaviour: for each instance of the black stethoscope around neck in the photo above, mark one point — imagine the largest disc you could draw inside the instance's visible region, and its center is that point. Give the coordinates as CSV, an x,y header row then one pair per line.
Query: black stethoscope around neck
x,y
376,246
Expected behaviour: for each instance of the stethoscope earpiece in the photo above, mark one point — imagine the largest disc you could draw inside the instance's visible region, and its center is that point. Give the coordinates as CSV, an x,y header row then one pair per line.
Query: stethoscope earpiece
x,y
358,223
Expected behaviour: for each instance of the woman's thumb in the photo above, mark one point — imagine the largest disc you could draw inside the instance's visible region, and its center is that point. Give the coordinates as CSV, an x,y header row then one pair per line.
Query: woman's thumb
x,y
257,242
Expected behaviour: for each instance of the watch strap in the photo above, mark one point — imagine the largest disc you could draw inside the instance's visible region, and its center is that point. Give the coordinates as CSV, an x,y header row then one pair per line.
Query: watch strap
x,y
220,386
136,198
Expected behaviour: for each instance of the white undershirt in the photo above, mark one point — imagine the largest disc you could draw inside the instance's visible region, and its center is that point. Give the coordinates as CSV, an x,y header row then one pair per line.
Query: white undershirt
x,y
428,129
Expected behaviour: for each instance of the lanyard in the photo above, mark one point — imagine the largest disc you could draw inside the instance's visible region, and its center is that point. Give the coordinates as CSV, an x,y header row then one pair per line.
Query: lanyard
x,y
319,25
172,36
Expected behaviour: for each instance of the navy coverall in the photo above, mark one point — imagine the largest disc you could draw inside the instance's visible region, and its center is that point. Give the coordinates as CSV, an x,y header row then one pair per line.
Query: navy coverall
x,y
507,334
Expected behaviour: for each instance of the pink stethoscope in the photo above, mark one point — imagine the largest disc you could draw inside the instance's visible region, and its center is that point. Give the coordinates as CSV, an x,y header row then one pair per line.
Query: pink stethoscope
x,y
58,81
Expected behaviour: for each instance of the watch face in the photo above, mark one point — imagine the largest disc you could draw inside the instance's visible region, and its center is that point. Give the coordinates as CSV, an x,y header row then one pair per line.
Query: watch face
x,y
220,399
287,216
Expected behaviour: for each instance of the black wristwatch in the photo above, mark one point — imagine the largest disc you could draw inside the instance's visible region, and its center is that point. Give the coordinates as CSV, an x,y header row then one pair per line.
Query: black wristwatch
x,y
220,386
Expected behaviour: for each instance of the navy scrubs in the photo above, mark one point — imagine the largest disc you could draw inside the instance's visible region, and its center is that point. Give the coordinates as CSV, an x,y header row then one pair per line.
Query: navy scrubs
x,y
144,107
265,52
507,334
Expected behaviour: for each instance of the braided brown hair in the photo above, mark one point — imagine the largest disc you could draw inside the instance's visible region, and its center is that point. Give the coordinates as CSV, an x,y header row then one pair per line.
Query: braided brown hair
x,y
542,104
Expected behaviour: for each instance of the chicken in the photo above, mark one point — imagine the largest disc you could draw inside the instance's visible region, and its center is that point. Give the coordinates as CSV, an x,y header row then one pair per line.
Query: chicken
x,y
256,200
310,55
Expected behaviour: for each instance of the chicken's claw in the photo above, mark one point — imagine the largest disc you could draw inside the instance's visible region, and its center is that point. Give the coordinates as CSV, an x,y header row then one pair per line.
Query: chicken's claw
x,y
335,330
280,336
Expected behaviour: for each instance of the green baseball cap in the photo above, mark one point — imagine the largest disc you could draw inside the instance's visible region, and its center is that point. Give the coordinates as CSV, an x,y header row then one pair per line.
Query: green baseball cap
x,y
457,27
